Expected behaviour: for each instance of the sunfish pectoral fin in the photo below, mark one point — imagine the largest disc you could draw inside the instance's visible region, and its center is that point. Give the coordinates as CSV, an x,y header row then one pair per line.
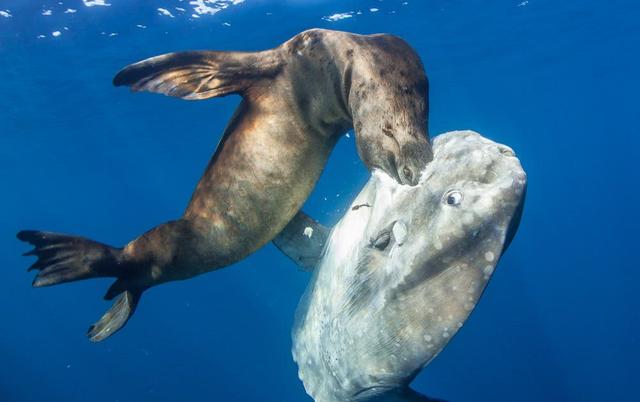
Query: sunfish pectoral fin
x,y
199,75
116,317
303,240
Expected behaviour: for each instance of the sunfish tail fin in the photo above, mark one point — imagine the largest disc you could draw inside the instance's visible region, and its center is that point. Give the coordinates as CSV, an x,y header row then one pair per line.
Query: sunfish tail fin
x,y
63,258
196,75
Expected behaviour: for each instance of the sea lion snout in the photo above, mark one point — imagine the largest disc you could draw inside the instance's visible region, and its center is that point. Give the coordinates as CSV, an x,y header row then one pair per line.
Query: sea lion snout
x,y
414,159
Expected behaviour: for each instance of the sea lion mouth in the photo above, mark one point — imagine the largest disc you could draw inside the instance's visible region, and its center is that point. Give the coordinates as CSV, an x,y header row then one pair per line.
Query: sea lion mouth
x,y
389,167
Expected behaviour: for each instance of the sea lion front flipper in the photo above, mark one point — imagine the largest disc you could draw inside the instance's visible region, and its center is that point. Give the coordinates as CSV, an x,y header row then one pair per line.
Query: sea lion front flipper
x,y
116,317
303,240
199,75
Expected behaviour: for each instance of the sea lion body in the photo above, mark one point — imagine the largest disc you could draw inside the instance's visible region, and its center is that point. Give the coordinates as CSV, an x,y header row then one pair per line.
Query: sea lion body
x,y
298,99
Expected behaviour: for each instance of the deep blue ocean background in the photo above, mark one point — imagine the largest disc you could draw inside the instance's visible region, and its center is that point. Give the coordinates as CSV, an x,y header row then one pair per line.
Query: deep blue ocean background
x,y
556,80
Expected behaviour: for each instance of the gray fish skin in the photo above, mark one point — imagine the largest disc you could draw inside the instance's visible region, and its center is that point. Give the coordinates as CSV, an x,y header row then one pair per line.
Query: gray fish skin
x,y
400,273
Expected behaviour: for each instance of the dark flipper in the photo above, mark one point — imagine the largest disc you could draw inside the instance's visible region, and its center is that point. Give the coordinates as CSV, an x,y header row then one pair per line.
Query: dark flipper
x,y
63,258
115,318
200,74
303,241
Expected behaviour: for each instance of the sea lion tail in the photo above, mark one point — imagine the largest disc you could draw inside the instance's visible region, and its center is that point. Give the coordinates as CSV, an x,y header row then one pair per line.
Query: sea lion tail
x,y
196,75
63,258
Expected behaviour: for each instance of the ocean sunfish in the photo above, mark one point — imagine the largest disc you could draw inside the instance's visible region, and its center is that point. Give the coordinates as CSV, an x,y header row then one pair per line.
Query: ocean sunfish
x,y
399,274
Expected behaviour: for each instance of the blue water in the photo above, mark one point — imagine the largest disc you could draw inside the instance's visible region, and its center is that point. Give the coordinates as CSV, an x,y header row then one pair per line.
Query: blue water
x,y
557,81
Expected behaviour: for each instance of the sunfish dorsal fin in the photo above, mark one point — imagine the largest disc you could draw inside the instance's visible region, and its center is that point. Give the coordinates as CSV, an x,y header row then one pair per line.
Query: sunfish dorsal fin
x,y
196,75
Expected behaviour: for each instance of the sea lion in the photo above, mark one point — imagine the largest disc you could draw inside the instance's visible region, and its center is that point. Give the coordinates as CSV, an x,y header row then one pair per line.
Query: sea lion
x,y
297,100
399,274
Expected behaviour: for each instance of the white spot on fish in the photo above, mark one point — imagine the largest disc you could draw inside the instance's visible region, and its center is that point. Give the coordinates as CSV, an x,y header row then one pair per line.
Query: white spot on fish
x,y
399,232
506,183
55,34
467,218
308,231
489,256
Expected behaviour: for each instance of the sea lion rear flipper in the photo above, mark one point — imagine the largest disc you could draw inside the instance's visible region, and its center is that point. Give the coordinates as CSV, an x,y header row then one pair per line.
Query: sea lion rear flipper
x,y
303,240
63,258
116,317
199,75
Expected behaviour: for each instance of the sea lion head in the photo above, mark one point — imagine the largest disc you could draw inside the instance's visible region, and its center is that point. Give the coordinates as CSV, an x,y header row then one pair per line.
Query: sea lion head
x,y
399,151
388,101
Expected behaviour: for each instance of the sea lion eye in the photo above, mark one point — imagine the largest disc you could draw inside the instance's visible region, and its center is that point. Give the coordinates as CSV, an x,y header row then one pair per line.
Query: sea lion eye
x,y
453,198
407,173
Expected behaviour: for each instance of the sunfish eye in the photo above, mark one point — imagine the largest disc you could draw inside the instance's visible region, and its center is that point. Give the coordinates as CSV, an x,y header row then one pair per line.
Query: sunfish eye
x,y
453,198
